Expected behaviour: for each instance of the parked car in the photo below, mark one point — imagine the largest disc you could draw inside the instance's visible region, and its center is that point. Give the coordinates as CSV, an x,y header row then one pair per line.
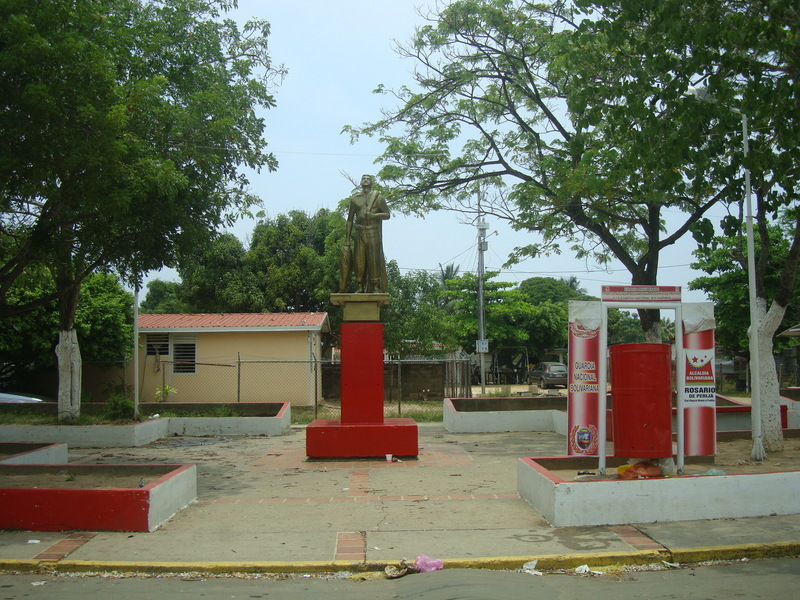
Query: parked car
x,y
548,374
18,398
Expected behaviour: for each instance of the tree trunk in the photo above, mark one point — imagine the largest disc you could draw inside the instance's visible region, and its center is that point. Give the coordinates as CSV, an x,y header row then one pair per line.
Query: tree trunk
x,y
651,324
69,375
771,432
67,350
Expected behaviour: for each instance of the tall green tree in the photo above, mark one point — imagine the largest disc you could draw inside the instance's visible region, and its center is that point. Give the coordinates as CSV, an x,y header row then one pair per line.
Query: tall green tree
x,y
220,279
745,55
291,264
724,260
415,321
130,157
294,258
28,338
103,323
511,106
549,289
163,297
511,320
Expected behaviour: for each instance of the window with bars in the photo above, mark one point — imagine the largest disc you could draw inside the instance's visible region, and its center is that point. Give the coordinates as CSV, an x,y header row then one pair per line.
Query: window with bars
x,y
184,354
157,344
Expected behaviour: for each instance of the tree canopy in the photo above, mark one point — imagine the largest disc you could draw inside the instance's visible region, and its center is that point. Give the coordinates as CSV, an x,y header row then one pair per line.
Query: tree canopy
x,y
744,55
130,155
553,124
290,265
104,325
575,121
124,127
724,260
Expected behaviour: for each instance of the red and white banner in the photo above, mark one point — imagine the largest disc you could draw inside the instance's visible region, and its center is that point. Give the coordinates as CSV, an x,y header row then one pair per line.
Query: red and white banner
x,y
583,389
699,385
640,293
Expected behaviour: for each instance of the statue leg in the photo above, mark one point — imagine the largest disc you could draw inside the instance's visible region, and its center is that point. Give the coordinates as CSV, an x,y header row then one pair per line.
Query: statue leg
x,y
345,262
375,265
360,266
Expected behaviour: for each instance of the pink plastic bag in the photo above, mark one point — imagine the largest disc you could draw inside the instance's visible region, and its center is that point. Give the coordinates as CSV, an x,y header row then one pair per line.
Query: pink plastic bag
x,y
425,563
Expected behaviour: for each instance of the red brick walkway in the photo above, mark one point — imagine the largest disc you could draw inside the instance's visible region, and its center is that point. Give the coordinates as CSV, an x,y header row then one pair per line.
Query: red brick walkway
x,y
435,455
65,547
634,537
441,455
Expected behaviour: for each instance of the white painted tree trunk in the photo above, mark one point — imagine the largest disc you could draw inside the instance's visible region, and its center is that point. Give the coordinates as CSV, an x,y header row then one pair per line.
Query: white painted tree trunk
x,y
69,375
771,431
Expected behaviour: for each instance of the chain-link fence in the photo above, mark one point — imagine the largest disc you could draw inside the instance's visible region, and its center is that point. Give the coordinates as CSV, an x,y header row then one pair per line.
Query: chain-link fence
x,y
412,388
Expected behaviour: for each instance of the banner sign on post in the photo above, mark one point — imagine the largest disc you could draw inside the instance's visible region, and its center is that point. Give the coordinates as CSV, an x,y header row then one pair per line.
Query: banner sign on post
x,y
583,389
699,386
640,293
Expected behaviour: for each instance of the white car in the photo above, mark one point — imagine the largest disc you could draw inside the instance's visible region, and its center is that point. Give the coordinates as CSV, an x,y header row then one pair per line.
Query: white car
x,y
18,398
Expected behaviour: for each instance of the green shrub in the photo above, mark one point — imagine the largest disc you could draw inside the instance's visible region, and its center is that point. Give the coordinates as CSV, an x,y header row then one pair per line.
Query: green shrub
x,y
118,408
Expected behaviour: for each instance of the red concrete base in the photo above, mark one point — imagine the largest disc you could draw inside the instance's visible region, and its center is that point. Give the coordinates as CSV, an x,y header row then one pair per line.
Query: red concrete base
x,y
330,438
97,509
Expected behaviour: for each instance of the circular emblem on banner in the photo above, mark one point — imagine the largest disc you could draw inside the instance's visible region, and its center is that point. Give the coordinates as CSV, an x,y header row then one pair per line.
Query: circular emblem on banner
x,y
583,439
581,332
697,359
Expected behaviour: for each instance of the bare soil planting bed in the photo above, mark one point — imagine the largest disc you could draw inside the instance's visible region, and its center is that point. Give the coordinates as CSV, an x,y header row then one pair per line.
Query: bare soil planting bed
x,y
70,480
732,458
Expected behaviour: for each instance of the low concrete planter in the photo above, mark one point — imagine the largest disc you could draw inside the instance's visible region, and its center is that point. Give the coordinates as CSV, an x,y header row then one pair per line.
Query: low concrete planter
x,y
139,434
89,436
494,415
610,502
232,409
97,509
28,453
277,425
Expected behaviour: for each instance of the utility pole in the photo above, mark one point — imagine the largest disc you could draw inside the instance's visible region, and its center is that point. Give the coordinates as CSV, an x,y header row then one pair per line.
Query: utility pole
x,y
482,345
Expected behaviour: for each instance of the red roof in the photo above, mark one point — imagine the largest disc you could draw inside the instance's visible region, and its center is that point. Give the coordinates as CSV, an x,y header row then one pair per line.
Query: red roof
x,y
236,321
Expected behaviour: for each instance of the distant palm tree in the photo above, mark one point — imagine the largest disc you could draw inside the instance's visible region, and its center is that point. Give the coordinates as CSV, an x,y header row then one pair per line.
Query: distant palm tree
x,y
573,283
446,274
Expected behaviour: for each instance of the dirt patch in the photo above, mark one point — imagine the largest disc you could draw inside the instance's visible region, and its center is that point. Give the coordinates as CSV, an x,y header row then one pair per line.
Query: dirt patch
x,y
732,458
76,480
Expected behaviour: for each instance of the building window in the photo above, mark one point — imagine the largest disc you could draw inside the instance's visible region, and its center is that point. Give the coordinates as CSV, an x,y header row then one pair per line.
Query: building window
x,y
157,344
183,354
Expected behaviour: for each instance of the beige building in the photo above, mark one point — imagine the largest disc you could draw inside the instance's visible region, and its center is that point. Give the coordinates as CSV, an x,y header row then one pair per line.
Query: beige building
x,y
253,357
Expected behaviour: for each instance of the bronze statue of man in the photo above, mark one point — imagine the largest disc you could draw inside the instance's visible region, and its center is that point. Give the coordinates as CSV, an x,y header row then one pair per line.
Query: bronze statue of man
x,y
365,219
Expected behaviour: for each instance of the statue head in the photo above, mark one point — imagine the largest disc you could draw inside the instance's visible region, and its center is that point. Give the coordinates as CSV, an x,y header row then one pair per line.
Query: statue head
x,y
366,180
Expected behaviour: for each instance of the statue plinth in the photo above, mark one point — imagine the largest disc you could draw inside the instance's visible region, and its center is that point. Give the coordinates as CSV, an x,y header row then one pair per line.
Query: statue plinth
x,y
362,430
361,307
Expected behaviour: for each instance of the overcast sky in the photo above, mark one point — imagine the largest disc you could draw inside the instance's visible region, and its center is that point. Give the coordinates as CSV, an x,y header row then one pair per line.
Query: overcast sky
x,y
336,53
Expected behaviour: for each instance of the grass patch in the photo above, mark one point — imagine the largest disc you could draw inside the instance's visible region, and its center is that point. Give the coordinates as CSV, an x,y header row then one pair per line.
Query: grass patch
x,y
23,418
217,411
422,411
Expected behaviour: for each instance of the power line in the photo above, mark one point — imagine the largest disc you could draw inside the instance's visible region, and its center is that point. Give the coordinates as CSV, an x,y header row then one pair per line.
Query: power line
x,y
559,272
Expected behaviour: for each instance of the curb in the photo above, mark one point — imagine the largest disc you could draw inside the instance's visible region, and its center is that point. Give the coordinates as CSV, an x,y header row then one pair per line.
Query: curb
x,y
736,552
502,563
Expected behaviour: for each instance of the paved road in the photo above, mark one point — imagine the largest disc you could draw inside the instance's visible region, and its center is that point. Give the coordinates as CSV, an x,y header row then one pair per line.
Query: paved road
x,y
758,579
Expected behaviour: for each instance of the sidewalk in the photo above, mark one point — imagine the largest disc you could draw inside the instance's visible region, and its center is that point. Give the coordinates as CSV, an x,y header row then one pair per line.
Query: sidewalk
x,y
263,506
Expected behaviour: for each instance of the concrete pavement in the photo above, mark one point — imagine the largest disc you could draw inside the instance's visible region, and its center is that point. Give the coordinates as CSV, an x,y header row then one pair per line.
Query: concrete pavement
x,y
264,507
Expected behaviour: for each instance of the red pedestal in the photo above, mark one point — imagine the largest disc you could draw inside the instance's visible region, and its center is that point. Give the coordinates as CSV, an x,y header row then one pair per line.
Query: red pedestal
x,y
362,431
362,373
641,393
330,438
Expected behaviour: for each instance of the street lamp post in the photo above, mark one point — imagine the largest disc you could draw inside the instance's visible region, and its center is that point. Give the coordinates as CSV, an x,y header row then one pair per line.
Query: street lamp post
x,y
757,452
482,345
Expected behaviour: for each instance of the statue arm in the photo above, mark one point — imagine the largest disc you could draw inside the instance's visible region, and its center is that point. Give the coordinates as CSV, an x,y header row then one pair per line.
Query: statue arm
x,y
349,227
381,209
